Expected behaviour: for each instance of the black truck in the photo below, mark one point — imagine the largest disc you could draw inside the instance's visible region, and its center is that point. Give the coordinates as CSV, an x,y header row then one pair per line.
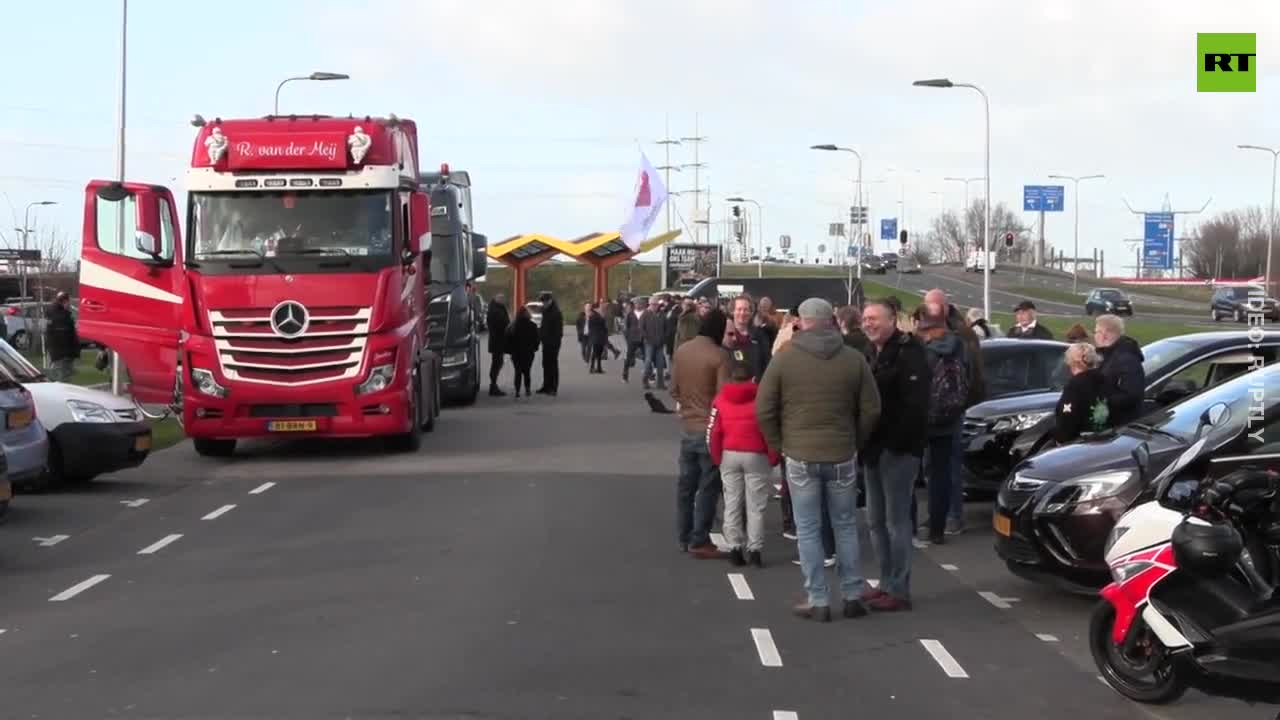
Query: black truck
x,y
458,257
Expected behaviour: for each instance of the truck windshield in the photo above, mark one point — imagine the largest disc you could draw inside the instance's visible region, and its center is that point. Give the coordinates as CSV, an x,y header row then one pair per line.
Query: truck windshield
x,y
307,227
448,259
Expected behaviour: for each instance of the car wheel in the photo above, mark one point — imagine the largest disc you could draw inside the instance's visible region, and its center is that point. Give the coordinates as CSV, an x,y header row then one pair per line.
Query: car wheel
x,y
213,447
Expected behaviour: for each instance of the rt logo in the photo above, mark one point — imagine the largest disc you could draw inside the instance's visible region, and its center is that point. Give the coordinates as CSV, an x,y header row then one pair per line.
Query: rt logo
x,y
1226,62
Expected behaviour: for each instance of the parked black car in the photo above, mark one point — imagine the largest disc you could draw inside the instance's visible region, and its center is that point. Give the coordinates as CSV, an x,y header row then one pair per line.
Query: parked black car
x,y
1103,301
1054,513
874,264
1237,303
889,260
1000,433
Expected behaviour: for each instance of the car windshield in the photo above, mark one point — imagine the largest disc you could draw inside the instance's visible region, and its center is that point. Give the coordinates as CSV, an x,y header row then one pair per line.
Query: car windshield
x,y
1158,355
288,224
1111,295
13,365
447,259
1252,395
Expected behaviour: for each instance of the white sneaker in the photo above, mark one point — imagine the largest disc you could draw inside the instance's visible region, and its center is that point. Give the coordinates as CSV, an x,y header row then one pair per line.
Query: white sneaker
x,y
829,562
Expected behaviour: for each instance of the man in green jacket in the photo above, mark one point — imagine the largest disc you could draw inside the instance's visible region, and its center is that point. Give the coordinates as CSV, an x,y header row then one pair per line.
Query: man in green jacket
x,y
818,404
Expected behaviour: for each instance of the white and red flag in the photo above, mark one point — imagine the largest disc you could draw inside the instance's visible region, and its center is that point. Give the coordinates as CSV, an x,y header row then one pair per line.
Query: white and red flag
x,y
650,195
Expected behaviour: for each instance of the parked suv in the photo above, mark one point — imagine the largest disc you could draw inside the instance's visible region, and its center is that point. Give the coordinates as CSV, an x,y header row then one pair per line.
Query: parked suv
x,y
1104,301
1236,303
999,434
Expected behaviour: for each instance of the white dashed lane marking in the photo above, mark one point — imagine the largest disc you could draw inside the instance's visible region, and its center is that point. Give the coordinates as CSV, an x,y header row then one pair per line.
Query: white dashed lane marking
x,y
219,512
160,544
1046,637
135,503
996,600
718,540
262,488
51,540
765,647
785,715
944,659
950,568
78,588
740,586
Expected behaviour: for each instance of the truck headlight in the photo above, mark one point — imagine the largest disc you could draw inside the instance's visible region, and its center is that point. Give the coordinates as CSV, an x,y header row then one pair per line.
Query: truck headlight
x,y
1019,422
87,412
206,383
379,379
453,358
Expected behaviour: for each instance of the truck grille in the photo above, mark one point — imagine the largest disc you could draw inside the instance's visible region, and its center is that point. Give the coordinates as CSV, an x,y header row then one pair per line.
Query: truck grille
x,y
330,348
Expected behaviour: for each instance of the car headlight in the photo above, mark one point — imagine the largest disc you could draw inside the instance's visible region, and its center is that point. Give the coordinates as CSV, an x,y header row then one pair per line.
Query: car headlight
x,y
1019,422
1087,488
446,298
379,379
87,412
453,358
206,383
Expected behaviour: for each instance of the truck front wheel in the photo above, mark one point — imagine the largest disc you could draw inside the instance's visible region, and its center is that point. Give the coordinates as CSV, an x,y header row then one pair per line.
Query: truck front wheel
x,y
412,440
211,447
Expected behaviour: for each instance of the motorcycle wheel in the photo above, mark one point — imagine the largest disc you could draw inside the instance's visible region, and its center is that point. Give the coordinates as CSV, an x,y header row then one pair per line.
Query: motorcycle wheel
x,y
1150,677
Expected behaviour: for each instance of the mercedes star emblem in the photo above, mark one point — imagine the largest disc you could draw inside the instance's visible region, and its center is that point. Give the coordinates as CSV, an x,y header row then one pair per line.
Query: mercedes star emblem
x,y
289,319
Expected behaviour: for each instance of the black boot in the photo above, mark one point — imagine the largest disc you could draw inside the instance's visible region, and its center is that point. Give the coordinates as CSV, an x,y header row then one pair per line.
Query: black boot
x,y
754,559
495,391
736,558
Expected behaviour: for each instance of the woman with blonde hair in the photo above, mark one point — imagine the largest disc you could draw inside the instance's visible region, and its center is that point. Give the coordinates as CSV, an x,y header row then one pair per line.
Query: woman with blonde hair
x,y
1083,405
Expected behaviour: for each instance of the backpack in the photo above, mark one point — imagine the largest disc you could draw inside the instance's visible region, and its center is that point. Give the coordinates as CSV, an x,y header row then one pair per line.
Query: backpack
x,y
948,390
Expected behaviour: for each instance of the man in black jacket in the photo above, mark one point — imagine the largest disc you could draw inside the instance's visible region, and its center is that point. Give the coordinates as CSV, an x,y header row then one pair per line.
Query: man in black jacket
x,y
1028,327
497,319
653,332
61,339
894,451
1126,380
552,334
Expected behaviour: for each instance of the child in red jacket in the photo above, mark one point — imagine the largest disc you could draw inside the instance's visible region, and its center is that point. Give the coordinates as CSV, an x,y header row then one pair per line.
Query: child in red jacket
x,y
745,461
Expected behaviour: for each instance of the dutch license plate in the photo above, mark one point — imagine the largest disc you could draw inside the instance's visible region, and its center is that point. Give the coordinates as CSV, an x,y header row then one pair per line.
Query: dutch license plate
x,y
1003,524
19,419
291,426
142,442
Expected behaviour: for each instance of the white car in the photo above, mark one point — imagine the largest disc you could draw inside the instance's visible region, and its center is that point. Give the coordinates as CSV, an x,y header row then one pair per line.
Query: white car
x,y
91,432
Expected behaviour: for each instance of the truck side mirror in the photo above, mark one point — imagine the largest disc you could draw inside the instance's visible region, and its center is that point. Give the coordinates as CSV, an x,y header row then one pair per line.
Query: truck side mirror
x,y
148,224
419,223
480,263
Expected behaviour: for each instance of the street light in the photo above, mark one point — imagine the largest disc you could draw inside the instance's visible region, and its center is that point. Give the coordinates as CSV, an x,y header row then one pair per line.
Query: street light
x,y
1075,257
760,242
986,221
26,232
1271,217
861,218
312,76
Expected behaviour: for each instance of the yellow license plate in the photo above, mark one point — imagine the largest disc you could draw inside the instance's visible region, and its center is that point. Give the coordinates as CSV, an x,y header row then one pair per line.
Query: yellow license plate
x,y
142,442
292,426
6,491
20,419
1003,524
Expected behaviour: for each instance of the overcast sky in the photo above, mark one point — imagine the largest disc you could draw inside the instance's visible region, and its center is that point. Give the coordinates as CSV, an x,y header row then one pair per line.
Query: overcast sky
x,y
549,103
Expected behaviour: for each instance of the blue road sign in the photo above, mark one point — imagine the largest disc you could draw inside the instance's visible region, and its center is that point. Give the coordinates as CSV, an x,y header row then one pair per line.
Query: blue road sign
x,y
1042,198
1157,241
889,229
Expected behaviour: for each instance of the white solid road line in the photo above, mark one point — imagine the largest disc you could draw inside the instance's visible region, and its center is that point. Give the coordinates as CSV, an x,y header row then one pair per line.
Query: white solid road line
x,y
219,512
262,488
740,586
160,544
944,659
768,652
78,588
786,715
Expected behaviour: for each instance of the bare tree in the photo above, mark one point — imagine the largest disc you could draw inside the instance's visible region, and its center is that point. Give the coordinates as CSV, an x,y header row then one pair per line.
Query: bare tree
x,y
952,239
54,248
1230,244
946,238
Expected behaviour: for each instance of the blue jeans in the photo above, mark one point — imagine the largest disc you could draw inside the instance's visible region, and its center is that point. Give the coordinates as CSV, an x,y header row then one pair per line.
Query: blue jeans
x,y
890,490
655,358
697,491
838,482
957,480
941,489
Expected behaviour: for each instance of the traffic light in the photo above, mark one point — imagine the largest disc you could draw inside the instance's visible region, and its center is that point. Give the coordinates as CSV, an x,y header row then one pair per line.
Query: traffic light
x,y
902,237
1008,239
737,211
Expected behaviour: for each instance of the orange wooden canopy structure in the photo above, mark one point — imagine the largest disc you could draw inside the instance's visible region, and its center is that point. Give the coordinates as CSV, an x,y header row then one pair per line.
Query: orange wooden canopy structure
x,y
599,250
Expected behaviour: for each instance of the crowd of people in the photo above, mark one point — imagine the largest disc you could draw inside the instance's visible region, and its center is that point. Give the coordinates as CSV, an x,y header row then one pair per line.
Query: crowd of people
x,y
850,406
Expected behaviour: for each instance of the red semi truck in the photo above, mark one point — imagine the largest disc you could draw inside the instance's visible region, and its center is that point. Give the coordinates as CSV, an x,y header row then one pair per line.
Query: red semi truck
x,y
294,305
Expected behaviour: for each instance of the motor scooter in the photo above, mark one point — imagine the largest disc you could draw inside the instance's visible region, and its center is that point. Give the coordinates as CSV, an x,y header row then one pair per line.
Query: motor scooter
x,y
1189,606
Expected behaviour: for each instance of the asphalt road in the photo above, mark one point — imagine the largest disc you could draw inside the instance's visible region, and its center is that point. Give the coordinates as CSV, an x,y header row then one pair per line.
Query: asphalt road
x,y
965,289
522,565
